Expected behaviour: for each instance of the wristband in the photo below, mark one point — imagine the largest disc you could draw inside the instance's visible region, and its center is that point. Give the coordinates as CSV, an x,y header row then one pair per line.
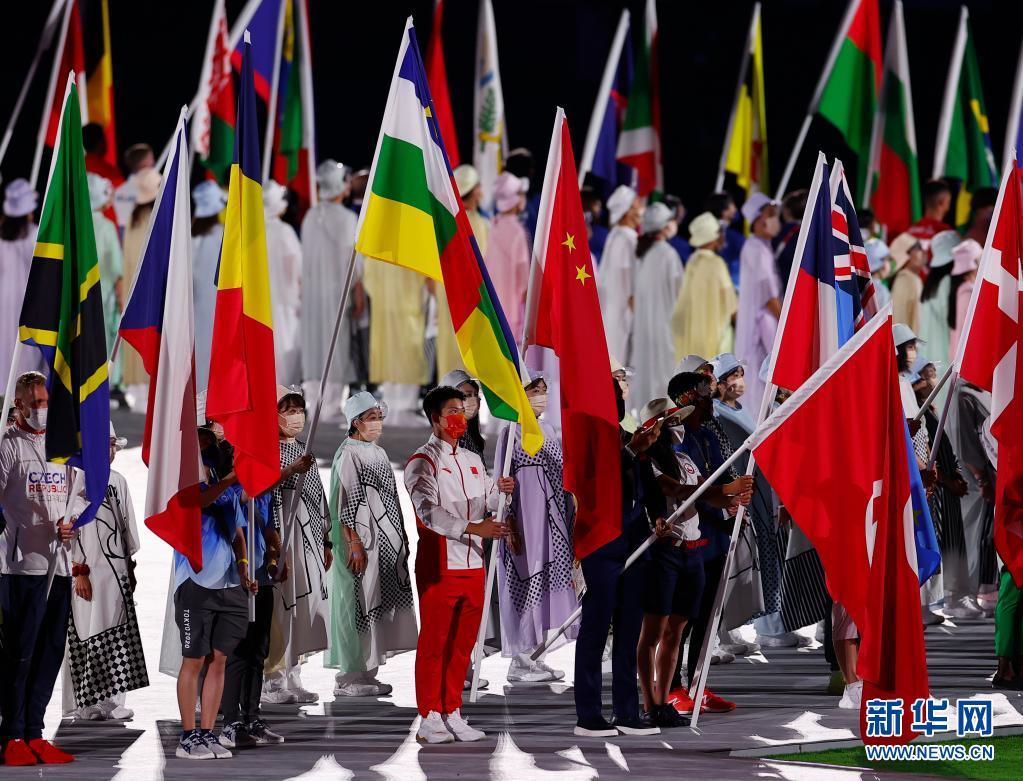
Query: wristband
x,y
243,561
80,569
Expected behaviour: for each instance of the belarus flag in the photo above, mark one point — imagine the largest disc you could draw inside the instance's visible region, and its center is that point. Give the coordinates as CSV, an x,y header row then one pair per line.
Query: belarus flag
x,y
163,294
857,511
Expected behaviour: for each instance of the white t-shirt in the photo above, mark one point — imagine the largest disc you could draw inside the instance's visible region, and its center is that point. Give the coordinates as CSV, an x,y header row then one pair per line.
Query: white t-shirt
x,y
34,497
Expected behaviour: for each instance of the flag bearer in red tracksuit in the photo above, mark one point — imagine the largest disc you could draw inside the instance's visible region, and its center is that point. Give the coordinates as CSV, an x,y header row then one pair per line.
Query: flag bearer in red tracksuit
x,y
454,499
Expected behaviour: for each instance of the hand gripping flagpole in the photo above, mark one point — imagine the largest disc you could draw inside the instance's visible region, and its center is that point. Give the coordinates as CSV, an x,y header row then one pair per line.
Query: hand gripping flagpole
x,y
495,550
770,391
292,507
957,360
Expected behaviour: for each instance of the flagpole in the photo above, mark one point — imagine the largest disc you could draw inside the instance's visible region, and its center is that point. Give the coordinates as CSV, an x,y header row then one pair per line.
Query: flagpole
x,y
58,55
934,393
502,507
250,554
986,258
271,106
770,391
292,507
1015,108
45,41
743,65
955,65
58,547
701,489
603,93
308,105
881,115
828,66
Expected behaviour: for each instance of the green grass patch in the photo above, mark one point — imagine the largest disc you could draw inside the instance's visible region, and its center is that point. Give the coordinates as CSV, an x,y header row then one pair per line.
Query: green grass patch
x,y
1006,766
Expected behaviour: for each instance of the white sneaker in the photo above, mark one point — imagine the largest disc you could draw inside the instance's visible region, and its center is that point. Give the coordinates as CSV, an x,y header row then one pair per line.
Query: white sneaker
x,y
931,618
962,609
120,713
721,657
852,696
192,746
294,685
460,728
518,671
785,640
556,674
92,713
277,697
361,689
213,743
433,730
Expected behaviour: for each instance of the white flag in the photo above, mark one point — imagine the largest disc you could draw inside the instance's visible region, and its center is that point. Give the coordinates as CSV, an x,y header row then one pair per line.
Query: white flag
x,y
490,145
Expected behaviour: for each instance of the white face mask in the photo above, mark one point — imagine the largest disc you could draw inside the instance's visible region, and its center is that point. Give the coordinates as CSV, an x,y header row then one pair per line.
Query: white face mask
x,y
291,424
371,430
36,419
472,406
538,403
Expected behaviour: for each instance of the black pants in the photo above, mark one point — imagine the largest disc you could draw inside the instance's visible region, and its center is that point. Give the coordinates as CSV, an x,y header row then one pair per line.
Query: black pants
x,y
613,597
696,630
243,676
34,633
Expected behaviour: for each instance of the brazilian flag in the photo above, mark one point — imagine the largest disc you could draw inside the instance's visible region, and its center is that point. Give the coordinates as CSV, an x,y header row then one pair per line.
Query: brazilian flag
x,y
62,314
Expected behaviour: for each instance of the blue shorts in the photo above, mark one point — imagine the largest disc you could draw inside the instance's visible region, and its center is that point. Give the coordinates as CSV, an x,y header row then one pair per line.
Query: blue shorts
x,y
675,582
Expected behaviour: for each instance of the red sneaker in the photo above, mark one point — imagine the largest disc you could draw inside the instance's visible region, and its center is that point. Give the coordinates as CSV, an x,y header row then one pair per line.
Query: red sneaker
x,y
48,753
680,700
714,704
18,754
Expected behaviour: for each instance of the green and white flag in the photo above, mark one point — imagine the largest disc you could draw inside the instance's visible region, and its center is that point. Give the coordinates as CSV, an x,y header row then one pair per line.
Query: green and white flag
x,y
490,142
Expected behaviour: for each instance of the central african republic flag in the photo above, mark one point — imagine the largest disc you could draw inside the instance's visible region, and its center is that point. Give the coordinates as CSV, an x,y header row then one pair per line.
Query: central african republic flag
x,y
413,217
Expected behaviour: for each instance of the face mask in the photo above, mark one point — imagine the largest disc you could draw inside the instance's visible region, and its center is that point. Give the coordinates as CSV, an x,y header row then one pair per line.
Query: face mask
x,y
291,424
472,406
538,403
625,389
371,430
36,419
736,388
454,425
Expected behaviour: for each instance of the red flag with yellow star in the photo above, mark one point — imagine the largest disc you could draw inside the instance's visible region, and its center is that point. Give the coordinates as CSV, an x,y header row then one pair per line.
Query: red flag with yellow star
x,y
568,321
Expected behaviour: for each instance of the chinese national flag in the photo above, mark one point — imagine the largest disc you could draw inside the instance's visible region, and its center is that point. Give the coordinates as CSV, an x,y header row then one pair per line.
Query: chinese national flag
x,y
568,321
992,359
857,510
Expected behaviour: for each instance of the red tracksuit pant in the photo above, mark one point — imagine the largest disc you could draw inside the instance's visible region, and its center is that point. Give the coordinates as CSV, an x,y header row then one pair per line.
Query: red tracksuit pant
x,y
450,610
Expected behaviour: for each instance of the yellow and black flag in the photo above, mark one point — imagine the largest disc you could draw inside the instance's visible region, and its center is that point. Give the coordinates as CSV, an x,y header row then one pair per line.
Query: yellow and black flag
x,y
62,314
745,152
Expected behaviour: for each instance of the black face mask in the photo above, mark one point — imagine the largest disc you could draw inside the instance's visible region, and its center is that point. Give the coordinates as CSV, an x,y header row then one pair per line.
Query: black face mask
x,y
619,400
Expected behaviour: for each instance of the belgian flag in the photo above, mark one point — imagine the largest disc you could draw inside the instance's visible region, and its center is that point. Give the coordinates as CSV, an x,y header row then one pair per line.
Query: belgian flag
x,y
62,314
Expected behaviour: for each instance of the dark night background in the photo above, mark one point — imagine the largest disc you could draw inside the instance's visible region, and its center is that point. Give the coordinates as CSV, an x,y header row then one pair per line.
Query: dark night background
x,y
551,52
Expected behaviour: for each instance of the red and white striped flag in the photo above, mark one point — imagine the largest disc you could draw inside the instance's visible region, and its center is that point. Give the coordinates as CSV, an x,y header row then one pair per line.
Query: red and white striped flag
x,y
991,357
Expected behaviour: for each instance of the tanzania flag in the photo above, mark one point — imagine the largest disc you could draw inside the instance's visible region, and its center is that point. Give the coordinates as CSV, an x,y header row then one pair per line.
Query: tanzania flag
x,y
242,394
293,136
639,145
413,217
850,94
96,21
895,175
62,314
213,123
963,150
746,146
